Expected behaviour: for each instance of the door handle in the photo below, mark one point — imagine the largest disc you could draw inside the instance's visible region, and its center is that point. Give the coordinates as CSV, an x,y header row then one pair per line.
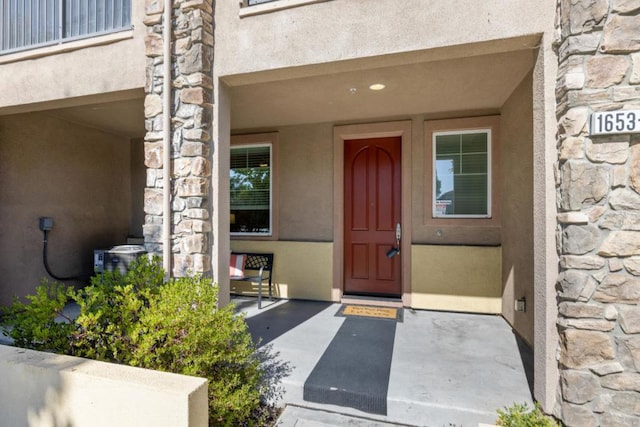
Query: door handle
x,y
395,250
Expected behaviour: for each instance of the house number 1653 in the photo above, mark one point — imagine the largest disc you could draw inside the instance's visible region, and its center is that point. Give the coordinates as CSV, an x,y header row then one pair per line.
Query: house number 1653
x,y
611,122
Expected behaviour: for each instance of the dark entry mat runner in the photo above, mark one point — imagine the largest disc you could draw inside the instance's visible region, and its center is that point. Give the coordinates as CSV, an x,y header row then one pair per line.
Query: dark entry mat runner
x,y
354,369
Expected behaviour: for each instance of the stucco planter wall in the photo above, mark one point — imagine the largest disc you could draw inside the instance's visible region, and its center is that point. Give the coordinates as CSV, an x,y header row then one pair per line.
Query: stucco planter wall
x,y
44,389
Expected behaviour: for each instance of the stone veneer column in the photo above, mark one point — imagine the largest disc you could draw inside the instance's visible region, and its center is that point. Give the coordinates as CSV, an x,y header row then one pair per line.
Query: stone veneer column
x,y
598,196
191,122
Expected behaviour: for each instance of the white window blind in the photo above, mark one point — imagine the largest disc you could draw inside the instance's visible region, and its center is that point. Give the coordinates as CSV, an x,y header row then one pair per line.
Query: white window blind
x,y
28,24
250,185
462,175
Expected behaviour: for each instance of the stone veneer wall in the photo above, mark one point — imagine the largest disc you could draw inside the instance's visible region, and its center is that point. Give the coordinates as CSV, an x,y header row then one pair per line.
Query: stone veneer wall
x,y
598,196
191,122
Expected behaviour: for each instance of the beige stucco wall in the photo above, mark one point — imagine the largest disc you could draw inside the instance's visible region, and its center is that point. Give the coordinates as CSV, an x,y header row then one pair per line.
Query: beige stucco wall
x,y
138,183
78,176
302,270
440,231
327,38
51,77
306,195
340,30
305,187
517,208
456,278
545,255
43,389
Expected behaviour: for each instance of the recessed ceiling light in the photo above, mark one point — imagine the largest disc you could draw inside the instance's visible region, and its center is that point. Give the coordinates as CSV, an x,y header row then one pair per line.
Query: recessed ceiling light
x,y
377,86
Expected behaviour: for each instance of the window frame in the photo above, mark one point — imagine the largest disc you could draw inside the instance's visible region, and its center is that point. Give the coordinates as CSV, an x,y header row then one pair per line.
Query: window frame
x,y
61,25
436,224
434,135
260,140
270,6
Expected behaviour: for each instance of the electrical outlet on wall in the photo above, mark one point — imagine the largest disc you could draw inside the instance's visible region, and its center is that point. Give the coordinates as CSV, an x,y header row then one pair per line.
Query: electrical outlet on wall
x,y
521,304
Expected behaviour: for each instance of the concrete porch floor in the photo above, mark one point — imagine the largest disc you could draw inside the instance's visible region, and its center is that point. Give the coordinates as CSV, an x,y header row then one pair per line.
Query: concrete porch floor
x,y
447,369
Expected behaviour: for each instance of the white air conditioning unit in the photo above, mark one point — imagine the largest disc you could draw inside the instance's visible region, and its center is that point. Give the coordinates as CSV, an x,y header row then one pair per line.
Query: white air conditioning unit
x,y
118,258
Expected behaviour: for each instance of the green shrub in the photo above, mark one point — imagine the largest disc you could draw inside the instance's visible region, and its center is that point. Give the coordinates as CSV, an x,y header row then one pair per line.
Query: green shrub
x,y
40,324
183,331
522,416
110,310
175,326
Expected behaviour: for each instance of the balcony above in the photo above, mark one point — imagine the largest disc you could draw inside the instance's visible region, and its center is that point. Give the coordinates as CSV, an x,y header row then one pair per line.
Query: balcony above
x,y
30,24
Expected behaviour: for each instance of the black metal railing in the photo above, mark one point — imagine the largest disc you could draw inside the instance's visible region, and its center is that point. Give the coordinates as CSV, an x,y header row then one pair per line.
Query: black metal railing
x,y
26,24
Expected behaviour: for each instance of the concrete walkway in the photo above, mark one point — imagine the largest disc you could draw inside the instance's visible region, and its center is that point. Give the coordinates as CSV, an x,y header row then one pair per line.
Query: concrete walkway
x,y
448,369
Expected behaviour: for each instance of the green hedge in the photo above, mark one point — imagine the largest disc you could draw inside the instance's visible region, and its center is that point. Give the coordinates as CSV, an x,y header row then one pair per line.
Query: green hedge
x,y
175,326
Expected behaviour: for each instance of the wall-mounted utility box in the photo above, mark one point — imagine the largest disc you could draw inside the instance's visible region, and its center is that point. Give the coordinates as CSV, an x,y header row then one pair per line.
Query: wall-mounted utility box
x,y
98,260
46,223
118,258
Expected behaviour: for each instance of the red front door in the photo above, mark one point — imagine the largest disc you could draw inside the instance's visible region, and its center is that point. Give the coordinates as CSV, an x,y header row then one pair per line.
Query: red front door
x,y
372,203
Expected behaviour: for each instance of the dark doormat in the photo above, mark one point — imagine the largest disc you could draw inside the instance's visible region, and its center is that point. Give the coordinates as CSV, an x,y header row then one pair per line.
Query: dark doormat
x,y
354,370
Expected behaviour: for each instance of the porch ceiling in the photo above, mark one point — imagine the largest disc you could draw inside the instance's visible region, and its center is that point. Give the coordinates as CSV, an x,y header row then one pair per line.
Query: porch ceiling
x,y
123,118
120,112
476,84
438,89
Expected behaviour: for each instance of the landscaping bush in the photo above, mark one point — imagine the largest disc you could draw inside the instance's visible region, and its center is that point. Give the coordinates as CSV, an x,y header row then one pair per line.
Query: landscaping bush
x,y
39,324
110,311
520,415
175,327
182,331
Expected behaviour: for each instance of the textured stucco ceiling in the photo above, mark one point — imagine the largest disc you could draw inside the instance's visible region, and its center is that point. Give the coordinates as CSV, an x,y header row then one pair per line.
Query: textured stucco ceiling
x,y
123,118
437,89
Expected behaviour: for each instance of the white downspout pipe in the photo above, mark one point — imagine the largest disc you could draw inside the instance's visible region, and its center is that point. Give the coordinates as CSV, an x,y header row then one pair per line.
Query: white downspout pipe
x,y
166,140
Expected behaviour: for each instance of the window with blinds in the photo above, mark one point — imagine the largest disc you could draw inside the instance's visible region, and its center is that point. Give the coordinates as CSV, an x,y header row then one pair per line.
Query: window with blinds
x,y
462,174
250,186
26,24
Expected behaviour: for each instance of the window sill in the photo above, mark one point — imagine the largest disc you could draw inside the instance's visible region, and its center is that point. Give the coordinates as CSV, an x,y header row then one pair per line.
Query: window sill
x,y
252,237
275,6
460,217
66,46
